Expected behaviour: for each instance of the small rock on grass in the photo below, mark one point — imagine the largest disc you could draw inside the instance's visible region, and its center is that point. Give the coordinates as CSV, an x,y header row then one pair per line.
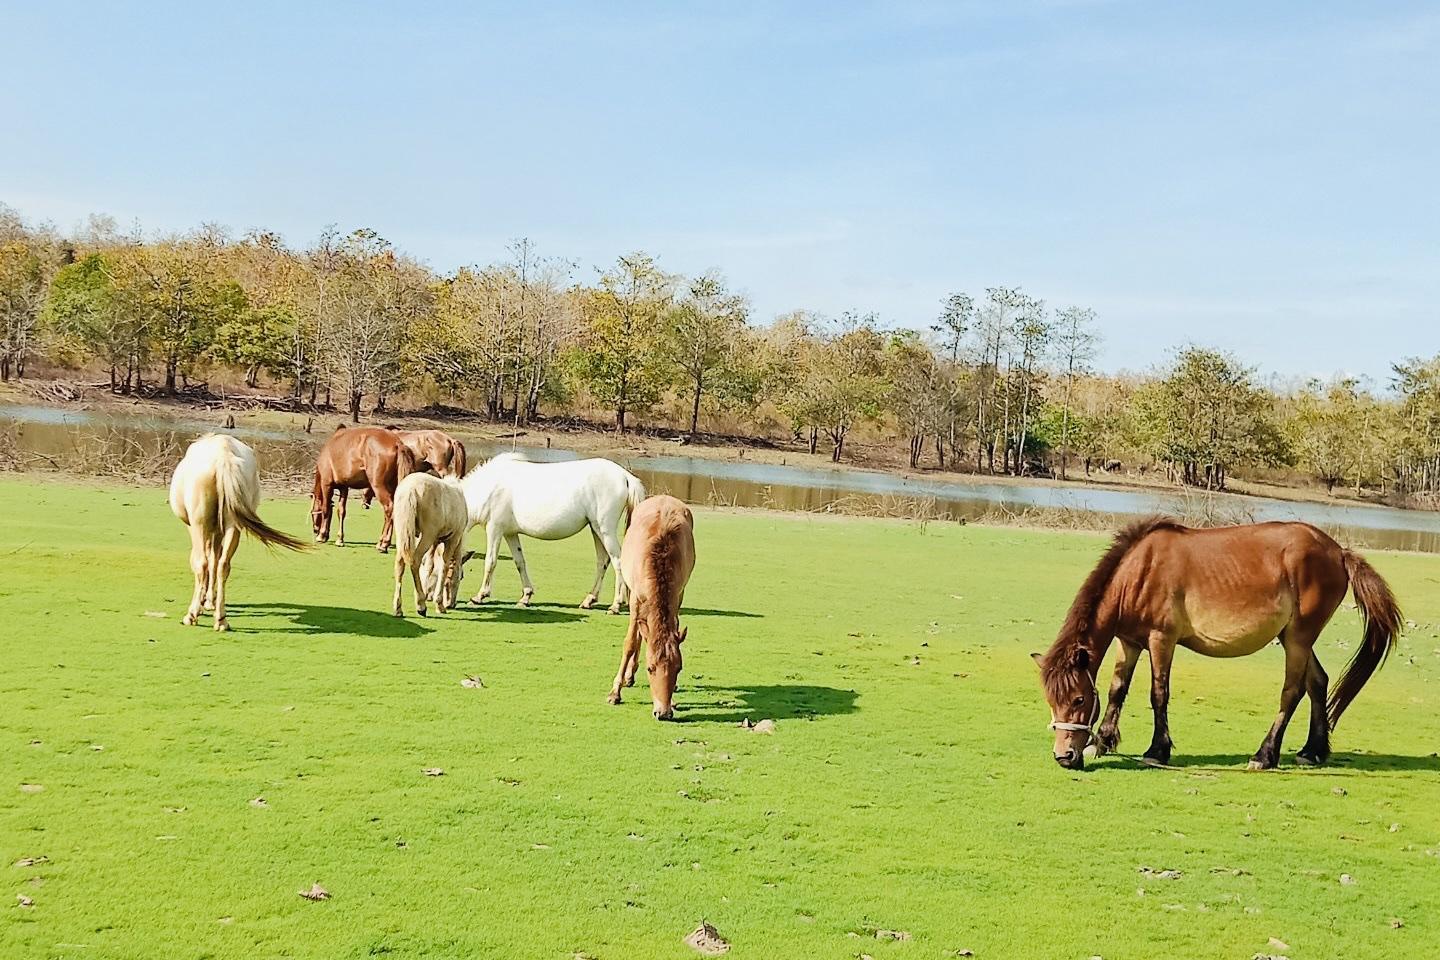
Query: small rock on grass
x,y
898,936
1277,944
473,683
764,726
316,893
433,772
707,940
31,788
1346,880
259,803
24,901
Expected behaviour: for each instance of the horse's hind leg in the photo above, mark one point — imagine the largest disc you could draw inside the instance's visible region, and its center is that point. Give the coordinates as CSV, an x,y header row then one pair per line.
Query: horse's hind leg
x,y
602,562
199,567
1297,665
611,542
224,553
387,504
513,541
1317,746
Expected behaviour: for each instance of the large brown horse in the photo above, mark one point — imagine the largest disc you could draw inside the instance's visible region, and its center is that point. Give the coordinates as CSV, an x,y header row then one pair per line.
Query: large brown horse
x,y
1225,592
358,458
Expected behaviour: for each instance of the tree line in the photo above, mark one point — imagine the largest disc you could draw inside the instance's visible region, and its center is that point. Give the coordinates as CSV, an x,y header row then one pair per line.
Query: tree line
x,y
997,382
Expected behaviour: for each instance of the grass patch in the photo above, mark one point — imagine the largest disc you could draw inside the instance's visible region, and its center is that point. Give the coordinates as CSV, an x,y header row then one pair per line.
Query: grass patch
x,y
908,786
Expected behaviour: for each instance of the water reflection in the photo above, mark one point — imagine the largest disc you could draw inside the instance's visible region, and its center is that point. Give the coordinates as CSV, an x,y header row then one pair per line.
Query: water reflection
x,y
59,437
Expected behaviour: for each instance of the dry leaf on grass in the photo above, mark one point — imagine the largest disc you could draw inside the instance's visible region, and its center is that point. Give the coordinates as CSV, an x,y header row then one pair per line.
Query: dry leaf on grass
x,y
316,892
896,936
1160,874
1277,944
259,803
707,940
31,861
23,900
31,788
433,772
1346,880
155,614
473,683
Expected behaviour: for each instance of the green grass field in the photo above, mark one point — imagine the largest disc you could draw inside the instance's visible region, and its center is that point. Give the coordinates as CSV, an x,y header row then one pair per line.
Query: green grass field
x,y
908,786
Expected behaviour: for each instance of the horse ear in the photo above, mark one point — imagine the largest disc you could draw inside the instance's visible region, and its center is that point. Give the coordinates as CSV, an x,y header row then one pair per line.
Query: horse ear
x,y
1081,659
465,558
1039,659
684,632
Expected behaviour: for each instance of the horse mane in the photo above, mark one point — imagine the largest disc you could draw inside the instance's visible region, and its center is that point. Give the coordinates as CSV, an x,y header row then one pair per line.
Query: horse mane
x,y
1069,656
661,560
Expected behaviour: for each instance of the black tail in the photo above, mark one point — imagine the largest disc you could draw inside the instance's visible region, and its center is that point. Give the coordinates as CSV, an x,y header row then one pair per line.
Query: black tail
x,y
1382,618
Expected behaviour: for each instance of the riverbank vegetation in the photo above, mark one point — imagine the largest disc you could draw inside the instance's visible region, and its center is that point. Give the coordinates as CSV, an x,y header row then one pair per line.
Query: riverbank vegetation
x,y
1001,382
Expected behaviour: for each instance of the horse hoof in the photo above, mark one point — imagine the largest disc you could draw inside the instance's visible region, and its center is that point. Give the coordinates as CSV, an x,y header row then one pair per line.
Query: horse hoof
x,y
189,619
613,699
587,603
1153,761
421,611
612,610
222,626
1309,760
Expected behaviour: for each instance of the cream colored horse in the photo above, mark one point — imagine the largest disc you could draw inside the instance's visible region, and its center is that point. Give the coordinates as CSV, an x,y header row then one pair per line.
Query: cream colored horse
x,y
431,520
214,492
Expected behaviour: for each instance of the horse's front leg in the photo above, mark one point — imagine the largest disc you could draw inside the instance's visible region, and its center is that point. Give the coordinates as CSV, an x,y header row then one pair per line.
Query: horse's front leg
x,y
1107,738
629,654
1162,652
512,540
492,554
1297,665
611,541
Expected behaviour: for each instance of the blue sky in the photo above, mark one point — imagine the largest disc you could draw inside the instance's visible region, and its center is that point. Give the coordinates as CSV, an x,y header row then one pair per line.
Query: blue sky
x,y
1260,177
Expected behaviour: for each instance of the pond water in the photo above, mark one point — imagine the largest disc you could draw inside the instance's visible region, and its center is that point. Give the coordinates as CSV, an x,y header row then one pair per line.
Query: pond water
x,y
60,436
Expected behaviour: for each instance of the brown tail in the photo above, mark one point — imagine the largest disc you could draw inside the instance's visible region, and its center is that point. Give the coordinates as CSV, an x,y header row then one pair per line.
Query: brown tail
x,y
405,463
1381,615
457,458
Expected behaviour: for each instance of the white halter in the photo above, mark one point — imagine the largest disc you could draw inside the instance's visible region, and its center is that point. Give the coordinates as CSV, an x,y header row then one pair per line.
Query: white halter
x,y
1078,727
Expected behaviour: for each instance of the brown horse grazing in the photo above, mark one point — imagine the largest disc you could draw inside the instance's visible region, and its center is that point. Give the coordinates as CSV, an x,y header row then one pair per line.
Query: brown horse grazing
x,y
656,561
434,450
1225,592
358,458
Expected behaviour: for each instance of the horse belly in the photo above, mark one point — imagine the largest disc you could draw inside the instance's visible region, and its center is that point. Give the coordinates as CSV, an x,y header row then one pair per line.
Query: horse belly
x,y
1216,632
549,524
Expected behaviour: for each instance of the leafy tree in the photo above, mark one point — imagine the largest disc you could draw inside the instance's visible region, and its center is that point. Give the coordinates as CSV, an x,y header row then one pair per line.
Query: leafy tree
x,y
918,389
1076,342
704,339
618,360
850,378
84,309
1206,416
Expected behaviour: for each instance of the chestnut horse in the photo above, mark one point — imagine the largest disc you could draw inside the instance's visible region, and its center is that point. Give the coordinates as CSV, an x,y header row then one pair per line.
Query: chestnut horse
x,y
656,561
358,458
434,450
1225,592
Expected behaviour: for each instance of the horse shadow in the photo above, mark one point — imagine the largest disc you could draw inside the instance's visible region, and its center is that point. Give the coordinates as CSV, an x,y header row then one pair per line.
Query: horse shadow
x,y
311,619
1339,764
756,702
498,611
703,612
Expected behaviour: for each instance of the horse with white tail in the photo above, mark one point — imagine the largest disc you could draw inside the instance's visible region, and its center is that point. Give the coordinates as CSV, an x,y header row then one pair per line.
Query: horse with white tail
x,y
431,520
215,492
551,501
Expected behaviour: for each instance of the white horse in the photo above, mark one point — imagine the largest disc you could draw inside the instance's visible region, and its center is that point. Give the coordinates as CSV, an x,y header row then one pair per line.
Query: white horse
x,y
214,492
551,501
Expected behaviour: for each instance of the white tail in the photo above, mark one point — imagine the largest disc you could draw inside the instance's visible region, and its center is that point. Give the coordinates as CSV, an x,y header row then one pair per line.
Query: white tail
x,y
237,492
634,496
